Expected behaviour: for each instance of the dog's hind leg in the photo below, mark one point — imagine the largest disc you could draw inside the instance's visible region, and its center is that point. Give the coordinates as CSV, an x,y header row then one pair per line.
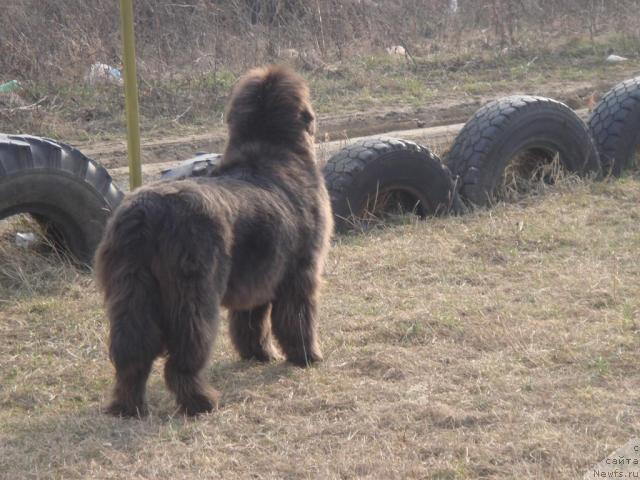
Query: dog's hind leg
x,y
293,318
192,268
251,333
193,324
135,340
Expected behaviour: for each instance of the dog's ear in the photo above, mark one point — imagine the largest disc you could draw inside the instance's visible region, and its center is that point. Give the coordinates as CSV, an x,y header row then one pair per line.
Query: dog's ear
x,y
309,120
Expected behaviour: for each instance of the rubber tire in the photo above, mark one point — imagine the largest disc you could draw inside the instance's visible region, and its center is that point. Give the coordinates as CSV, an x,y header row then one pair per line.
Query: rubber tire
x,y
358,172
503,128
71,195
615,126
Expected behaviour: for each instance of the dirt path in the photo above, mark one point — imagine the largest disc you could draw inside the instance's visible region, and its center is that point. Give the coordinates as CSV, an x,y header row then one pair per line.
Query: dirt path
x,y
436,138
342,126
345,126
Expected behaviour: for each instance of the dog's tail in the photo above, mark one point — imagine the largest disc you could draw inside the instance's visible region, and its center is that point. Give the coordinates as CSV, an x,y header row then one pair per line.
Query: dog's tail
x,y
124,247
161,234
131,293
270,104
157,240
162,262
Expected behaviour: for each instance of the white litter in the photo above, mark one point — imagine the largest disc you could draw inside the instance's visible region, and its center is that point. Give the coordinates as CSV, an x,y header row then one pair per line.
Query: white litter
x,y
397,50
100,73
289,53
616,59
25,240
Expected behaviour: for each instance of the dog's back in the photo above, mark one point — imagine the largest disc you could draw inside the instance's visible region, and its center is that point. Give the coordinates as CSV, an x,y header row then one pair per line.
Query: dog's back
x,y
285,219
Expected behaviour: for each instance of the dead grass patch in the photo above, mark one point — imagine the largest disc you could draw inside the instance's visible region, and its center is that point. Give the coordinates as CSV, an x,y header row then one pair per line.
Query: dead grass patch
x,y
500,344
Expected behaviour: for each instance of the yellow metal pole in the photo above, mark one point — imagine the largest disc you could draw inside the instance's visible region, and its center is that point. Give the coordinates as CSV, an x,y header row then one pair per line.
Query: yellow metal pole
x,y
131,93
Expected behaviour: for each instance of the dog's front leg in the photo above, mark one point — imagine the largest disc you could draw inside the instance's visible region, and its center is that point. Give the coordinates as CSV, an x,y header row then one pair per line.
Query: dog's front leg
x,y
293,318
250,332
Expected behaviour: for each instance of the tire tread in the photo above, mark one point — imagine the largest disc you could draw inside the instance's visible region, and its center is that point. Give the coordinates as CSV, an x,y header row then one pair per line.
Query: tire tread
x,y
609,122
468,157
342,170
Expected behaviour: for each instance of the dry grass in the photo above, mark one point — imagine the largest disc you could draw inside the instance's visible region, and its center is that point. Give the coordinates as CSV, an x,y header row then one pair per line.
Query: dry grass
x,y
501,344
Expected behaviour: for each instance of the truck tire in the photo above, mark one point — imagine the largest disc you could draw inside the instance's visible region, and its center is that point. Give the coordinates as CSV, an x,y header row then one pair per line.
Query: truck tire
x,y
615,127
506,128
70,195
366,173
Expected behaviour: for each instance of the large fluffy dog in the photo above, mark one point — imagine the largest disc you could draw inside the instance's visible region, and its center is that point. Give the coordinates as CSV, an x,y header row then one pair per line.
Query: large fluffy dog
x,y
252,238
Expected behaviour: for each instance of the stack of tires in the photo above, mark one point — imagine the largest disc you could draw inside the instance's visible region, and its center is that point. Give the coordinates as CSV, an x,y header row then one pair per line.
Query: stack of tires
x,y
510,139
72,196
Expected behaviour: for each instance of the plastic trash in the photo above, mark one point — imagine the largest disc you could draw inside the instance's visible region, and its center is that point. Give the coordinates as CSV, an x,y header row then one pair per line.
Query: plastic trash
x,y
9,87
25,240
398,50
616,59
103,73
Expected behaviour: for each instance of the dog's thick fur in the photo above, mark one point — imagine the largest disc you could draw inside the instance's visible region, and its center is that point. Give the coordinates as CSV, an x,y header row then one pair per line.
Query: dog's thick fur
x,y
252,238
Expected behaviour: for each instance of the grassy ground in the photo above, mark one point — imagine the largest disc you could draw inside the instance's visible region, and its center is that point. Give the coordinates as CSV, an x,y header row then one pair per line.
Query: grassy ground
x,y
500,344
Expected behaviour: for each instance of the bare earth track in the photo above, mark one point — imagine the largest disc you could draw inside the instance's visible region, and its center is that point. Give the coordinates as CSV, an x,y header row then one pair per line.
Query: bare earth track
x,y
437,139
345,126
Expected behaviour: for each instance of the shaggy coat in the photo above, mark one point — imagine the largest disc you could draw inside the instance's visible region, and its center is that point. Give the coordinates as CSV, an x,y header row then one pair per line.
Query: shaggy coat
x,y
252,238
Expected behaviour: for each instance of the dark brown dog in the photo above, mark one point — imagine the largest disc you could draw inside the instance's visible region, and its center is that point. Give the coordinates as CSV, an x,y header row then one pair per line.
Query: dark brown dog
x,y
253,238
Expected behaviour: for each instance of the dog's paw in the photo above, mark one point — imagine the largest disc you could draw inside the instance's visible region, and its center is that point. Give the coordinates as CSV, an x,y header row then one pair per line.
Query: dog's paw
x,y
305,359
265,355
199,403
118,409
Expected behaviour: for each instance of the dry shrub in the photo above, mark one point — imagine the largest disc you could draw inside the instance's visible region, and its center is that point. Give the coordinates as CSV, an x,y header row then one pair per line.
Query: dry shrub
x,y
51,41
189,52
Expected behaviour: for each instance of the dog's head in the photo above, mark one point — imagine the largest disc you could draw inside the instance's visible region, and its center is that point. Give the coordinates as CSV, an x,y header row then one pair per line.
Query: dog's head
x,y
271,104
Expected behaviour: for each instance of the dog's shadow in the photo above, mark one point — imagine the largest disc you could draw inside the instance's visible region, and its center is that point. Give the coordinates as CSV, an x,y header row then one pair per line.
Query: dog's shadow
x,y
240,380
237,375
237,381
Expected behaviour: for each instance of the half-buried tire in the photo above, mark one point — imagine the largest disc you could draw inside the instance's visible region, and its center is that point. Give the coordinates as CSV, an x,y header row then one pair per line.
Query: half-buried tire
x,y
615,127
519,136
70,195
373,178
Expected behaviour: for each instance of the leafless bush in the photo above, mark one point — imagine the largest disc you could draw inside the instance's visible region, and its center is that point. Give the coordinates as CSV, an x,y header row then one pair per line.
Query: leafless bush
x,y
48,40
190,51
